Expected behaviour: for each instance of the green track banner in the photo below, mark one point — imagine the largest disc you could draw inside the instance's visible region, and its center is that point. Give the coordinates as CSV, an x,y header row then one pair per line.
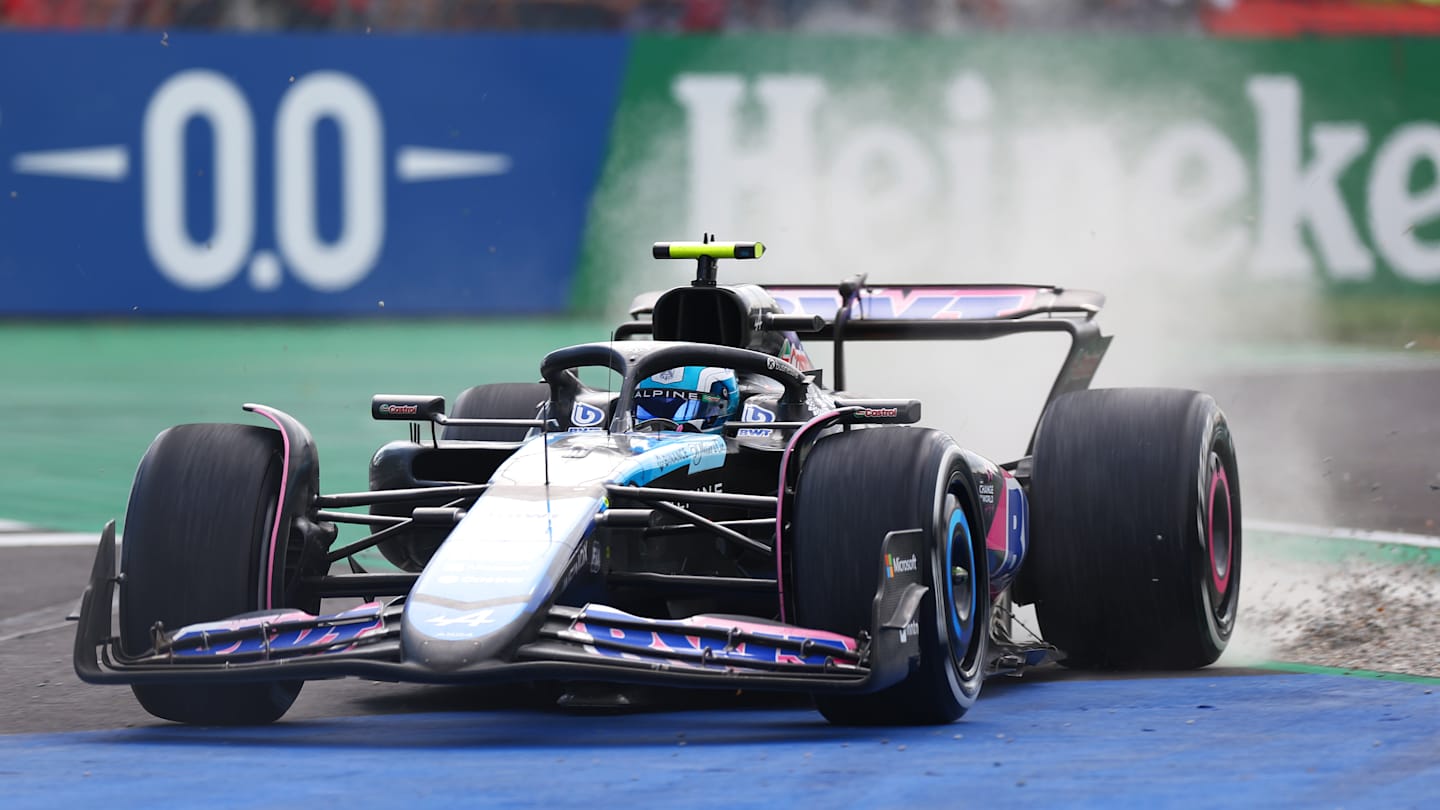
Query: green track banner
x,y
1063,160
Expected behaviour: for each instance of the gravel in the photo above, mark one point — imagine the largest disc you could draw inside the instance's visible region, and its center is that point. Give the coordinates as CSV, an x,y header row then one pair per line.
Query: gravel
x,y
1351,614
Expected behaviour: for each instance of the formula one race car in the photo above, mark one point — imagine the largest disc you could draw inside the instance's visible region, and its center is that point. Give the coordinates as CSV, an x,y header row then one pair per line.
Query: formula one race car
x,y
719,518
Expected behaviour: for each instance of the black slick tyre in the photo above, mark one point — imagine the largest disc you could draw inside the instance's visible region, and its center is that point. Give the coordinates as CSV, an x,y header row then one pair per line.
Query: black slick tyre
x,y
197,532
1134,560
855,488
496,401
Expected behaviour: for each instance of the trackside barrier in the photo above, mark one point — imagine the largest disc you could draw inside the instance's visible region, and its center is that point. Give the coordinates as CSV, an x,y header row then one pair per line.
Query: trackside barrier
x,y
209,173
1092,161
204,173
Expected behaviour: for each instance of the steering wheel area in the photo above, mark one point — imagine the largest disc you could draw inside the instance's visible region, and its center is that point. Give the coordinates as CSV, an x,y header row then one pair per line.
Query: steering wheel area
x,y
659,425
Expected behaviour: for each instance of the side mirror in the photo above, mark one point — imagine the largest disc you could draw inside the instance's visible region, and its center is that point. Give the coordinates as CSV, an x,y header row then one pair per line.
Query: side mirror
x,y
406,407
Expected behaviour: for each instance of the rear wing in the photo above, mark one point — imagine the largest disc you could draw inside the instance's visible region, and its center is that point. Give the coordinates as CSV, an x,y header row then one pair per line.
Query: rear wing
x,y
937,302
922,302
855,310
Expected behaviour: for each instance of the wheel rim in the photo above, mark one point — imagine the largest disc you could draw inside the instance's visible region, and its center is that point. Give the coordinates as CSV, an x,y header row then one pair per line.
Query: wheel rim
x,y
960,584
1219,527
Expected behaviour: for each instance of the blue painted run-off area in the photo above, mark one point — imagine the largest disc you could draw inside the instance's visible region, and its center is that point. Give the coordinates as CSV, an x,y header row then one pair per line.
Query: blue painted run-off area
x,y
1209,740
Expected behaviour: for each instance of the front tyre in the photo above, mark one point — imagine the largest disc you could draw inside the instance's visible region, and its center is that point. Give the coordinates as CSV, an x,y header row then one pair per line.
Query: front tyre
x,y
197,533
1134,560
855,488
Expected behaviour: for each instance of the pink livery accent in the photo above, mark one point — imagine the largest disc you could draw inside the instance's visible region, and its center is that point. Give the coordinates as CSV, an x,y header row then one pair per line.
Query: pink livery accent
x,y
912,303
276,621
1221,581
1007,537
780,503
275,634
593,617
269,597
721,623
997,538
675,642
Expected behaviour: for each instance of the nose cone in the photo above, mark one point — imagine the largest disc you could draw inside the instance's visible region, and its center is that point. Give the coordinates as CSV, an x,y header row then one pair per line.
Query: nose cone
x,y
451,637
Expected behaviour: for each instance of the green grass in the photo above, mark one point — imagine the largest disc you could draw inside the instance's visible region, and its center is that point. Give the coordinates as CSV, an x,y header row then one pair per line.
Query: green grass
x,y
1337,549
1311,669
1392,319
83,400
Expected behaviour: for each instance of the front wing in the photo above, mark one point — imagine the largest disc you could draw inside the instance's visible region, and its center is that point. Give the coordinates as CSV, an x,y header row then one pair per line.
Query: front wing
x,y
593,642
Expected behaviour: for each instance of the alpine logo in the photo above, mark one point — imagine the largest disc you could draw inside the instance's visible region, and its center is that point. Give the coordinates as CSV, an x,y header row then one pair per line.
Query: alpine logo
x,y
755,413
583,415
474,618
900,565
668,393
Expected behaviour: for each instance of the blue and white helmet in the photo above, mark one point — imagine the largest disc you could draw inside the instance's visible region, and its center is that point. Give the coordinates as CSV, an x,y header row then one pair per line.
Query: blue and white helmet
x,y
698,398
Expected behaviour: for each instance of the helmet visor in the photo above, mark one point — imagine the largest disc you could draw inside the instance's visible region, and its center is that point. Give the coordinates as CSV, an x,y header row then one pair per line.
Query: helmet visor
x,y
678,406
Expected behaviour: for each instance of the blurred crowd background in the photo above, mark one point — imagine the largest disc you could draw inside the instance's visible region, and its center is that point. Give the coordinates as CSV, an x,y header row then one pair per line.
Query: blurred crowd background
x,y
1284,17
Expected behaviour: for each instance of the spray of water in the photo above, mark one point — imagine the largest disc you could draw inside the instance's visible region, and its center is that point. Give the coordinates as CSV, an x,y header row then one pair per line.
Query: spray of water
x,y
1012,180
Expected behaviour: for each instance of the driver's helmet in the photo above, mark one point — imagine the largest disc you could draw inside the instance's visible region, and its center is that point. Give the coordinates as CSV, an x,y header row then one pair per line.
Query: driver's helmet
x,y
697,398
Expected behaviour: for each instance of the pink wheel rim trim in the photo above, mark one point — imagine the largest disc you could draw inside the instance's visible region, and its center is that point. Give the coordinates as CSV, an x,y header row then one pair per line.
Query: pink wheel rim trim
x,y
1222,581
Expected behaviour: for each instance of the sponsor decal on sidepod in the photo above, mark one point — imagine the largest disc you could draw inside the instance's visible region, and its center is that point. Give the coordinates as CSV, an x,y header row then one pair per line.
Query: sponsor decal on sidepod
x,y
901,565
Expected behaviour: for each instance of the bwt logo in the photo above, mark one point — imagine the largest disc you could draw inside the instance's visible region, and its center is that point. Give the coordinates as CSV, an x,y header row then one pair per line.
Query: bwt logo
x,y
755,413
201,262
583,415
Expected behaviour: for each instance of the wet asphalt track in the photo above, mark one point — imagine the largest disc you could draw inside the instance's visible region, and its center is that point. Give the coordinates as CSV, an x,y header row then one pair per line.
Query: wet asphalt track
x,y
1360,446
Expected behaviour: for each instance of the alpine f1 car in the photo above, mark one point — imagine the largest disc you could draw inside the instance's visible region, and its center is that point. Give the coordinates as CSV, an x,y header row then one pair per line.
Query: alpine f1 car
x,y
716,516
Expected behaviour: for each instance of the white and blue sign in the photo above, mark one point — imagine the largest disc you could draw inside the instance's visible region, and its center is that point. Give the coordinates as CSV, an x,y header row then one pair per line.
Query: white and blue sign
x,y
200,173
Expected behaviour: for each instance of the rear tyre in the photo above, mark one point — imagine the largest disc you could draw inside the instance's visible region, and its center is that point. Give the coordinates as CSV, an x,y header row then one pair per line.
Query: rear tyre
x,y
1134,561
855,488
197,535
496,401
